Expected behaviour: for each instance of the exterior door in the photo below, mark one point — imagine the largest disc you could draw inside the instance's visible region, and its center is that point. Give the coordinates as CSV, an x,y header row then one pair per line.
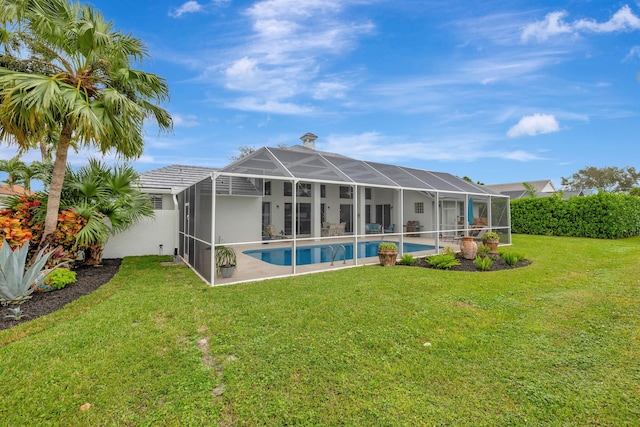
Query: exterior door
x,y
346,216
383,215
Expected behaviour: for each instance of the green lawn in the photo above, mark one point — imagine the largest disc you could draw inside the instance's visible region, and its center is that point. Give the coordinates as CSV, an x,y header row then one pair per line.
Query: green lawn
x,y
555,343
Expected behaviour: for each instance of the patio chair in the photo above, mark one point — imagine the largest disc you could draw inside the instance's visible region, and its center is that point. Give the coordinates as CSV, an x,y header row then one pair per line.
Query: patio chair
x,y
390,228
272,233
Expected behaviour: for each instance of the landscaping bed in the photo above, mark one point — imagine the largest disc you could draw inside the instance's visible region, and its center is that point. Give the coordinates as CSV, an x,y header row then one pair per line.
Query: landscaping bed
x,y
89,279
469,264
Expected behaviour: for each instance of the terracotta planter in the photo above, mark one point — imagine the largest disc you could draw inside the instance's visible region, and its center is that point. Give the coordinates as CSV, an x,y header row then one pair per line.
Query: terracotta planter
x,y
492,245
468,247
387,258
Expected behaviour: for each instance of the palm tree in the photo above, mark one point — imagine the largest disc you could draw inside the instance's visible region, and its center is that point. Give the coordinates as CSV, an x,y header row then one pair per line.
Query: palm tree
x,y
106,197
531,191
14,168
65,71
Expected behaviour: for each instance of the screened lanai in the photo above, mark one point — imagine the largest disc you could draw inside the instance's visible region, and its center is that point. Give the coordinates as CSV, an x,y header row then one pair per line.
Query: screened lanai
x,y
298,210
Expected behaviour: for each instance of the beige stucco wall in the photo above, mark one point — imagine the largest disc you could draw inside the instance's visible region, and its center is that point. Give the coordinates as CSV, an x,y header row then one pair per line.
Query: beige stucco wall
x,y
146,237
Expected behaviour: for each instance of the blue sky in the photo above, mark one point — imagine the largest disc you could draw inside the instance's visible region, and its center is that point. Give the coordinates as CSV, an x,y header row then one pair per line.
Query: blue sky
x,y
500,91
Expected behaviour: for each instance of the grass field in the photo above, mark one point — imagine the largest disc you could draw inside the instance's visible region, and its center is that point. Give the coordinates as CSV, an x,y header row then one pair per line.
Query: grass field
x,y
555,343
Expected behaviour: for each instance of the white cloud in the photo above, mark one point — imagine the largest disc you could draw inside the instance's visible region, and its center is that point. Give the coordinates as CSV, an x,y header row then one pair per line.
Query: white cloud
x,y
189,7
634,52
554,24
551,26
269,106
189,120
534,125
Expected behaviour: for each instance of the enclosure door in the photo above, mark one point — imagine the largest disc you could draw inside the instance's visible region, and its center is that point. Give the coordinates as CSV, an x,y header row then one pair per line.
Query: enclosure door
x,y
346,216
383,215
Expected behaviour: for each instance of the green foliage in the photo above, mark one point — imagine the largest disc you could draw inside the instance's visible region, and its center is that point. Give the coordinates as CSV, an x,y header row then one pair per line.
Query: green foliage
x,y
387,246
449,250
60,278
15,278
407,259
512,258
16,313
603,215
490,235
483,263
483,251
443,261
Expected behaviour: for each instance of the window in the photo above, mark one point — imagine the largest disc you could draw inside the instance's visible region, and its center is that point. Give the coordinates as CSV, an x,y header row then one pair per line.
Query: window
x,y
287,189
367,193
346,192
304,189
267,188
156,201
323,191
419,207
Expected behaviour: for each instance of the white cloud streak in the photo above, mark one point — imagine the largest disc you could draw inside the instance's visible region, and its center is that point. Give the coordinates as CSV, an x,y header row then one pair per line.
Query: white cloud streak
x,y
554,24
189,7
534,125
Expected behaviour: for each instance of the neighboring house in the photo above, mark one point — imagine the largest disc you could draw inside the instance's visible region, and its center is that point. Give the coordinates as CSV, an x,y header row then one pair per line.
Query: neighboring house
x,y
544,188
5,192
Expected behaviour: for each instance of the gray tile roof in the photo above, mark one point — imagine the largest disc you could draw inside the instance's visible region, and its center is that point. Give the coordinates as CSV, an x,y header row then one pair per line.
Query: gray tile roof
x,y
174,177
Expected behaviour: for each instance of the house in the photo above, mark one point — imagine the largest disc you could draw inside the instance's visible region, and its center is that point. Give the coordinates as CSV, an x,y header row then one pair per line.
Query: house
x,y
313,206
544,188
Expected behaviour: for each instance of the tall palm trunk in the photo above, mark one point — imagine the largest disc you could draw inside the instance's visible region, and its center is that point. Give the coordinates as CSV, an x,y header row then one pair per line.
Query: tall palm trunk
x,y
55,189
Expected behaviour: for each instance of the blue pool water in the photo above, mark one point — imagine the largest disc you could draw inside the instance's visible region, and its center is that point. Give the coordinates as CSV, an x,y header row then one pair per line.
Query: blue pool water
x,y
322,253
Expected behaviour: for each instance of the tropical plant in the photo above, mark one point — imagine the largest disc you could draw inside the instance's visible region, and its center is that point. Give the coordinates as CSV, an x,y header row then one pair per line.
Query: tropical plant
x,y
407,259
12,230
483,251
483,263
16,313
15,278
387,246
531,191
225,257
512,258
14,168
98,201
60,278
67,76
443,261
490,235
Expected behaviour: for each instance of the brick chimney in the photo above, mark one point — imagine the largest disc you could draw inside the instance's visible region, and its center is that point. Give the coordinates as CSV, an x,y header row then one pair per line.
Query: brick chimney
x,y
309,140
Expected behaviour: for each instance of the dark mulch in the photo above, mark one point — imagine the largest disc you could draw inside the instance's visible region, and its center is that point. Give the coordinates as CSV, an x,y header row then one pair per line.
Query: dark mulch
x,y
469,264
88,280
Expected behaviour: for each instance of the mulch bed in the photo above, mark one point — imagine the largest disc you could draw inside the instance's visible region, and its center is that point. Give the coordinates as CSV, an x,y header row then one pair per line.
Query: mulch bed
x,y
88,280
469,264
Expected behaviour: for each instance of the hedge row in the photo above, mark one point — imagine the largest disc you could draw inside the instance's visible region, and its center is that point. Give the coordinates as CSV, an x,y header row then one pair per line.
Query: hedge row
x,y
602,215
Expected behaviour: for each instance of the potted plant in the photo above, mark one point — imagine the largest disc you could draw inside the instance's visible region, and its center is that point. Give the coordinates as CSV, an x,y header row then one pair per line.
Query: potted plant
x,y
491,240
387,253
225,261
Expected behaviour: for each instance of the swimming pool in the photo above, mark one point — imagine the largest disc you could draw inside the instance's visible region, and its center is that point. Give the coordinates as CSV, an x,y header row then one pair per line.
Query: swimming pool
x,y
323,253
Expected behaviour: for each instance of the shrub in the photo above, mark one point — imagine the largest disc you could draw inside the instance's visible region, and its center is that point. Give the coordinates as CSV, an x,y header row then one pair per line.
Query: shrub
x,y
603,215
407,259
483,263
512,258
483,251
490,235
387,246
442,261
449,250
60,278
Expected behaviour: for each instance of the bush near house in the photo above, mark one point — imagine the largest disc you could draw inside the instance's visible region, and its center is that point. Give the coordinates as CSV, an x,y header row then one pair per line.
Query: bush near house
x,y
603,215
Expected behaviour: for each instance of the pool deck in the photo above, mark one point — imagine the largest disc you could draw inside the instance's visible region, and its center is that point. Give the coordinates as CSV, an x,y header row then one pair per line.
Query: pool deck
x,y
252,269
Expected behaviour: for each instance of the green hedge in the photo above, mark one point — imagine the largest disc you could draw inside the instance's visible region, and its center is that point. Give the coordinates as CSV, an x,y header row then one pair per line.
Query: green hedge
x,y
602,215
